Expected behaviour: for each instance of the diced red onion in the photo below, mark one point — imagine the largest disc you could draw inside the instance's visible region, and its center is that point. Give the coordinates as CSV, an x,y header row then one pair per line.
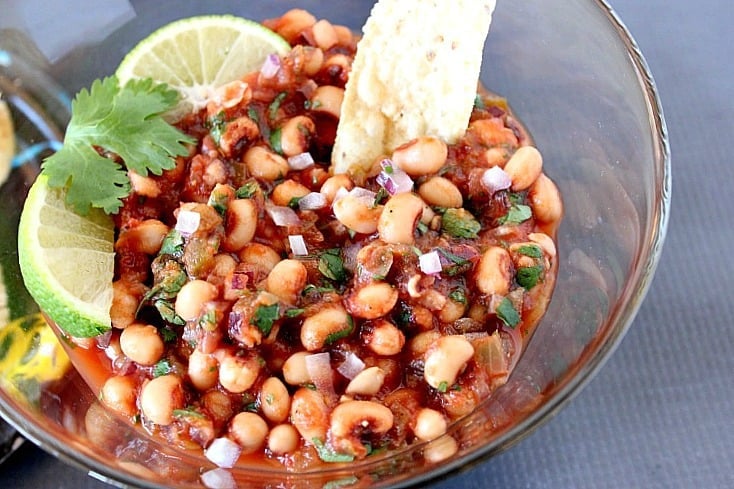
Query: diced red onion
x,y
300,161
496,179
223,452
187,222
351,366
282,216
393,179
312,201
430,263
318,366
271,66
103,340
298,245
218,479
515,340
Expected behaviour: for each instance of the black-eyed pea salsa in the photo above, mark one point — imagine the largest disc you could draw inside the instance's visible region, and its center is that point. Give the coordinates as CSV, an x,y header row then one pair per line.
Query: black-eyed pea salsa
x,y
267,309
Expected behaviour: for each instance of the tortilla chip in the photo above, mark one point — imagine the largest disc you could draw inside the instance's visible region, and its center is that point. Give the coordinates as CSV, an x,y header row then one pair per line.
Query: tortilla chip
x,y
415,74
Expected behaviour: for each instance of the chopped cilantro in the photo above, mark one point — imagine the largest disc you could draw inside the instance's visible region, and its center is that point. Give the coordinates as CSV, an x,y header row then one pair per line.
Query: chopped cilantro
x,y
327,454
247,190
168,313
208,320
253,114
422,227
265,316
168,335
218,199
275,105
459,223
124,120
292,313
331,265
309,288
531,250
173,244
163,367
507,313
528,277
518,213
459,265
343,333
479,102
380,196
293,203
216,125
458,295
275,141
443,386
187,412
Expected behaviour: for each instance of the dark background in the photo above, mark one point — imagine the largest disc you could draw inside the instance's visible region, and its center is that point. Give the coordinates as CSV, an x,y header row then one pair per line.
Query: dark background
x,y
659,414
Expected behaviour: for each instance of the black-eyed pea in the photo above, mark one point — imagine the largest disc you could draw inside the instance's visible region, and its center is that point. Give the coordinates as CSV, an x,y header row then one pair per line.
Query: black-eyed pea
x,y
294,369
261,255
496,156
119,393
338,61
524,167
494,271
160,396
428,215
287,279
422,156
126,297
203,370
146,237
441,192
144,186
385,338
237,374
286,191
332,185
328,99
324,34
295,135
429,424
291,24
307,59
309,414
240,224
366,383
265,164
249,431
142,344
219,405
399,217
451,311
445,359
372,300
351,418
275,401
357,214
344,34
440,449
421,342
545,200
192,297
325,325
545,242
283,439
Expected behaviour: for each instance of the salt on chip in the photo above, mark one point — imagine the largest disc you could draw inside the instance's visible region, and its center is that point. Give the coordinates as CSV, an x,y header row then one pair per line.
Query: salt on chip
x,y
7,141
415,74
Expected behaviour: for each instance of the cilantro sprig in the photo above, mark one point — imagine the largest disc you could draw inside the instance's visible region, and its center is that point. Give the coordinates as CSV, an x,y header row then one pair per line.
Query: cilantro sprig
x,y
124,120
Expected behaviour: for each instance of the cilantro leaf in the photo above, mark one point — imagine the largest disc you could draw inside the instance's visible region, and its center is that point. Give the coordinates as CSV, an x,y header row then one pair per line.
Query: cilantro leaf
x,y
331,265
163,367
125,121
528,277
459,223
507,313
518,213
327,454
265,316
531,250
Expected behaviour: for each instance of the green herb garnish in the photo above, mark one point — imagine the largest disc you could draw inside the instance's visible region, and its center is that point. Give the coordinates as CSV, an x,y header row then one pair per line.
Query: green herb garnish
x,y
533,251
337,335
275,105
331,265
459,223
265,316
517,214
187,412
507,314
248,190
163,367
216,125
173,244
275,141
443,386
458,295
528,277
327,454
125,121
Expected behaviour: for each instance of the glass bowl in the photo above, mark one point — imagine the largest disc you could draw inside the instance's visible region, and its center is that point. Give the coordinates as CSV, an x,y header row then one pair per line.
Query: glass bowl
x,y
577,80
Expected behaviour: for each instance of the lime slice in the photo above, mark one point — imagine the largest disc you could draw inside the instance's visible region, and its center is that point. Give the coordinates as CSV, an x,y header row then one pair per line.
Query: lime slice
x,y
198,54
7,141
67,261
30,355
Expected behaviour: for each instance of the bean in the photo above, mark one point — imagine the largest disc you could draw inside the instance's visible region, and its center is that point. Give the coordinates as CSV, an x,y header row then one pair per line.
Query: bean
x,y
287,279
145,186
421,342
295,135
307,60
328,99
119,393
294,369
275,402
203,370
239,131
332,185
366,383
249,431
237,374
142,344
356,214
441,192
421,156
385,338
324,34
494,271
261,255
429,424
218,405
441,449
292,23
160,396
445,359
345,35
286,191
451,311
264,164
350,418
192,297
240,224
319,328
373,300
309,414
126,297
283,439
545,242
545,200
399,218
524,167
146,237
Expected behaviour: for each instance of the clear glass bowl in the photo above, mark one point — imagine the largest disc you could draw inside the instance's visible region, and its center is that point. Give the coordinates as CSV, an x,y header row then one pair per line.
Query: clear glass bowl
x,y
577,80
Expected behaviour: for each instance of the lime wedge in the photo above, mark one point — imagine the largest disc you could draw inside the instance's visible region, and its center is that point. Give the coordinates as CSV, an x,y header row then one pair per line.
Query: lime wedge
x,y
7,141
67,261
198,54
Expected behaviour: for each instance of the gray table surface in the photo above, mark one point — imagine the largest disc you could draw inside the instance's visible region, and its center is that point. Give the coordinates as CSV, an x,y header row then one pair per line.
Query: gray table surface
x,y
659,414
